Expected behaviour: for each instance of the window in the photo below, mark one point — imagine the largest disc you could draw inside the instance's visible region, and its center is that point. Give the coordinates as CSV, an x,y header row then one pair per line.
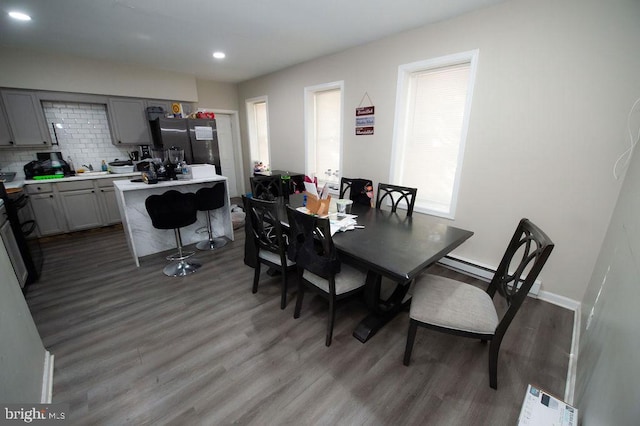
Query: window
x,y
323,129
258,130
432,115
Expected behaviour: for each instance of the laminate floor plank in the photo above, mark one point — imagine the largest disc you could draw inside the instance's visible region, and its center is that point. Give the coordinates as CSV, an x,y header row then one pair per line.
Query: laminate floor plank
x,y
134,347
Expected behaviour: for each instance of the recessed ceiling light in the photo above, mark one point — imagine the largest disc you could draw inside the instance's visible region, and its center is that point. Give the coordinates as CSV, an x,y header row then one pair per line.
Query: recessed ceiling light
x,y
219,55
20,16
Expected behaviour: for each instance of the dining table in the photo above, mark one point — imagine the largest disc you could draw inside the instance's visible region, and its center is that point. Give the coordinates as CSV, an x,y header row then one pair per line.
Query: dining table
x,y
390,245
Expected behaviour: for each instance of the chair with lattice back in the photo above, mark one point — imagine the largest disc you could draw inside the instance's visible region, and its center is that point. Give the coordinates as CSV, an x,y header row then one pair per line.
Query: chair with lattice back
x,y
270,242
395,195
461,309
359,190
319,269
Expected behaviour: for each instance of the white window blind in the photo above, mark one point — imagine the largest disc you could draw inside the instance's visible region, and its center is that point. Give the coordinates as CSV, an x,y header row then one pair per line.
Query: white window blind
x,y
262,134
328,113
429,145
323,132
258,125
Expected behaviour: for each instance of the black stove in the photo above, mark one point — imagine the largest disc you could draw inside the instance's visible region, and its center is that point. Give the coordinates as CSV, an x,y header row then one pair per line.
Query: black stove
x,y
24,228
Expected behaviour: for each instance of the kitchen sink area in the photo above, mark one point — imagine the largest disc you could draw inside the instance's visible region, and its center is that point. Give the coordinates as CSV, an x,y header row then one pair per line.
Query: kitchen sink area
x,y
7,176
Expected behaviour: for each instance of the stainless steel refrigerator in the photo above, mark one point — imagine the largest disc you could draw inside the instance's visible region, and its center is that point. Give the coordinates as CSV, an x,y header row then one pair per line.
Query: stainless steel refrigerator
x,y
198,138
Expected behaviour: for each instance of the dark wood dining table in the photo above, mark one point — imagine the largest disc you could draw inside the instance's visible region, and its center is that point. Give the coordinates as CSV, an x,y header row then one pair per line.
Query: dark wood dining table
x,y
390,245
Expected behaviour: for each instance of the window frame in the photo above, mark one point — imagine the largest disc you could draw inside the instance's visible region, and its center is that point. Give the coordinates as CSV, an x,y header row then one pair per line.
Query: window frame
x,y
405,73
310,126
254,147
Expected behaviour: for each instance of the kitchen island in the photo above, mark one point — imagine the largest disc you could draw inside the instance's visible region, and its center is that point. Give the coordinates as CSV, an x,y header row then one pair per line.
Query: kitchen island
x,y
143,239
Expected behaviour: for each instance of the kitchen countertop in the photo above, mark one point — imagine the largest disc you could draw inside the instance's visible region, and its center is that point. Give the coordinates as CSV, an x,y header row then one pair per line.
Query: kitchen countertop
x,y
19,183
135,186
143,238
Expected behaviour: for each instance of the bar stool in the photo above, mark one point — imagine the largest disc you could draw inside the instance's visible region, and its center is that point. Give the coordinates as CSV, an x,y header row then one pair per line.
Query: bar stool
x,y
174,210
208,199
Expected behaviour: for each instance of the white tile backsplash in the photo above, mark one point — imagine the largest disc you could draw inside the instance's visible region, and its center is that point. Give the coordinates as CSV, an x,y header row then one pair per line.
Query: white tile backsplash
x,y
82,131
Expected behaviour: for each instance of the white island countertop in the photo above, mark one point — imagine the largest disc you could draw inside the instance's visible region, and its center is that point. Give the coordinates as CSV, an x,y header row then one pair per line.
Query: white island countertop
x,y
143,239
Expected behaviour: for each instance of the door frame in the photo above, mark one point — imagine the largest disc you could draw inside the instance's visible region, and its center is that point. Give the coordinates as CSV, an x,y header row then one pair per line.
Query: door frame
x,y
237,146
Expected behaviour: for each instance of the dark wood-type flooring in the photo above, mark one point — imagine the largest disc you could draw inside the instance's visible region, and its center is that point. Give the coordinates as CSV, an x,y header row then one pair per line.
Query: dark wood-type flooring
x,y
133,346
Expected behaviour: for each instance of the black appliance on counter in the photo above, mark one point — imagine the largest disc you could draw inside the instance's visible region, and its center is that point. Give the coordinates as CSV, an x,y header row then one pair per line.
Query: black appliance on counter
x,y
47,164
24,229
197,137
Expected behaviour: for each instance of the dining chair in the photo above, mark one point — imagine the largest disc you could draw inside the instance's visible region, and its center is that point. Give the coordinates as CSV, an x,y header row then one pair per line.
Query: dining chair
x,y
267,187
454,307
319,269
360,190
395,195
270,242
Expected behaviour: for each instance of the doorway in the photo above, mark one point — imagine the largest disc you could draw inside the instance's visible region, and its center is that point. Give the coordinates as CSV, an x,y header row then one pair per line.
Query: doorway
x,y
227,124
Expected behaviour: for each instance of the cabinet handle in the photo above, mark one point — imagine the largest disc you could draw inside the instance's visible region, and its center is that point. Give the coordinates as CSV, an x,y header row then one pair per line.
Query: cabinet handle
x,y
93,191
38,188
51,196
10,142
44,142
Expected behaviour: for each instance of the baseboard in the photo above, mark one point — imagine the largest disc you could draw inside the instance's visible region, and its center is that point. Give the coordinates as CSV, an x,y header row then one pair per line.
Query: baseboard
x,y
570,387
478,270
47,379
558,300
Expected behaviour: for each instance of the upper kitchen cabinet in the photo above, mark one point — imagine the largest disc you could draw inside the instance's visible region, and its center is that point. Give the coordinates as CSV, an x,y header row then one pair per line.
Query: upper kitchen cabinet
x,y
25,119
128,121
5,133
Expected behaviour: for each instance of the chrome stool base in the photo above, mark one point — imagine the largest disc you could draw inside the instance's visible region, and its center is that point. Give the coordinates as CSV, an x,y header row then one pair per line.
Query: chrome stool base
x,y
212,244
180,269
180,256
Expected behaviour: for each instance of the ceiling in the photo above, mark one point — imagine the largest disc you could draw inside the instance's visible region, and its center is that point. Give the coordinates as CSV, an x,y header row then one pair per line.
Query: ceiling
x,y
258,36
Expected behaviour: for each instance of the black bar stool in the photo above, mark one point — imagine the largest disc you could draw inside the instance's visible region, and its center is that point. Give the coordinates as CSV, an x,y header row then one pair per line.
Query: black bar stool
x,y
208,199
174,210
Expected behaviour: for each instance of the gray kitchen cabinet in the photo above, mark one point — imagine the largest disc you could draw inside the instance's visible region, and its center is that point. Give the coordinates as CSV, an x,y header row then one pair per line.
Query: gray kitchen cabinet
x,y
81,209
48,215
128,121
80,204
10,243
110,212
107,194
25,118
6,138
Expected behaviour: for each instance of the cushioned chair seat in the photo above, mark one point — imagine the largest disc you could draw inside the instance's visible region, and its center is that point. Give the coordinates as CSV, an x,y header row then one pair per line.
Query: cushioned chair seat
x,y
347,279
273,258
452,304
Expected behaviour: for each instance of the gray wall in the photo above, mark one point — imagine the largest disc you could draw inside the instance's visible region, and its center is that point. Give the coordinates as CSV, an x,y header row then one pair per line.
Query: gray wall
x,y
555,82
22,355
608,376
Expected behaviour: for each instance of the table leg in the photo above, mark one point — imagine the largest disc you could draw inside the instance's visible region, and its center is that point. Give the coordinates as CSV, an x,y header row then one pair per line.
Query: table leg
x,y
382,311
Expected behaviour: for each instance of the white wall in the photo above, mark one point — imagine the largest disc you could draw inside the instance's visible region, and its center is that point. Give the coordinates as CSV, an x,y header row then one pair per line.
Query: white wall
x,y
24,369
56,72
608,377
555,82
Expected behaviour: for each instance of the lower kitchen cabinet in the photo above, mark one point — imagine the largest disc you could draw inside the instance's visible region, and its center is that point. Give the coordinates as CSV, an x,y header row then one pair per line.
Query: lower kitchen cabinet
x,y
81,209
48,215
110,212
74,205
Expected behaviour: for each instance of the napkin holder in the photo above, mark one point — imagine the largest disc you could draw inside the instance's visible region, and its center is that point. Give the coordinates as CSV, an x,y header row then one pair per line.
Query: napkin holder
x,y
317,206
